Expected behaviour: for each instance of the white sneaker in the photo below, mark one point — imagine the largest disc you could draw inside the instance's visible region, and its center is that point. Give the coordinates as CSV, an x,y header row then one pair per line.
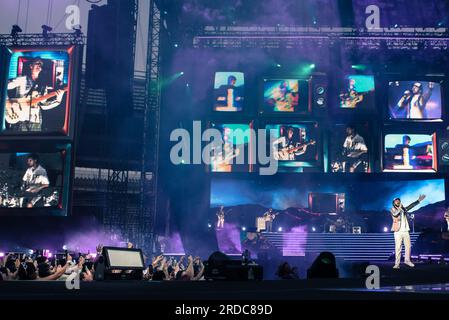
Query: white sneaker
x,y
396,266
409,263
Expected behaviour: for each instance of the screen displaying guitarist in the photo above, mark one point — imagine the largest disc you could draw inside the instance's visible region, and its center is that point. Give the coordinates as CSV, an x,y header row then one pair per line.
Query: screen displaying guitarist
x,y
27,97
288,147
34,181
354,151
269,217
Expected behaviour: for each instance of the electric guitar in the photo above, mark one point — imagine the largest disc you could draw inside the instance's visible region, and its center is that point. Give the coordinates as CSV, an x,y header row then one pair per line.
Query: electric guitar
x,y
270,216
285,152
17,110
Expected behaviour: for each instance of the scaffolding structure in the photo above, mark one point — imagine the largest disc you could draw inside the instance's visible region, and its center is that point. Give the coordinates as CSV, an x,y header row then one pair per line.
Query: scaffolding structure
x,y
150,138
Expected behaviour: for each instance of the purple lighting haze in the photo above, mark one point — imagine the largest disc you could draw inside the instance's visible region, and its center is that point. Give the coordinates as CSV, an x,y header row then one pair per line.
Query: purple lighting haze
x,y
228,239
294,242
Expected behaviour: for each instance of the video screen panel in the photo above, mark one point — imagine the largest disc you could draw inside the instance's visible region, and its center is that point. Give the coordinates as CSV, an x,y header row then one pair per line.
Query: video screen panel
x,y
229,91
410,153
357,92
37,90
294,144
235,144
286,96
349,148
414,100
35,183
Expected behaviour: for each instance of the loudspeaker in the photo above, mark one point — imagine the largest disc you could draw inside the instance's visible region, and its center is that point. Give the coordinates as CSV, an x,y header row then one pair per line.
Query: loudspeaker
x,y
443,151
319,94
99,269
220,267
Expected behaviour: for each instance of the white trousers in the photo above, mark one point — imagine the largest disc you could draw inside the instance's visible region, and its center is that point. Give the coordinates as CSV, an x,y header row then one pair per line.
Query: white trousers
x,y
399,237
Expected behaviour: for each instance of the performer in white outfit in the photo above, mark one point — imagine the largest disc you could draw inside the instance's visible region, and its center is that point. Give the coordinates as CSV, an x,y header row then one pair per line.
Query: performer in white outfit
x,y
401,229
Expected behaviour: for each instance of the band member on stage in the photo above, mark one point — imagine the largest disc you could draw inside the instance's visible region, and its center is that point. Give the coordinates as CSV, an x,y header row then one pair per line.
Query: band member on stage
x,y
445,231
29,87
354,150
414,101
445,226
220,218
269,217
229,97
34,181
289,145
401,229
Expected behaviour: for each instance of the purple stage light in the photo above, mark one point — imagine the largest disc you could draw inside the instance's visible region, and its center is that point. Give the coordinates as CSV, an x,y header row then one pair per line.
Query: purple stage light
x,y
2,254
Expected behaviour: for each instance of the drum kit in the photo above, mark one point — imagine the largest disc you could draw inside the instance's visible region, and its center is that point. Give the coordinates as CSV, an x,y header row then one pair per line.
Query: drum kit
x,y
16,200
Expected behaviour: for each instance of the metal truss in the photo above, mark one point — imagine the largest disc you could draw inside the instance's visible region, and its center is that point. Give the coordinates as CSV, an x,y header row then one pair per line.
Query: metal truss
x,y
151,118
37,39
292,37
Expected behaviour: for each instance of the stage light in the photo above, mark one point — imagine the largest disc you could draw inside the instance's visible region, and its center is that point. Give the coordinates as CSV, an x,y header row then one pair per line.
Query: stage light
x,y
165,12
31,251
396,25
313,229
45,30
182,73
187,85
360,67
2,254
243,228
64,247
209,225
77,31
324,266
15,30
278,65
312,66
176,45
385,229
50,255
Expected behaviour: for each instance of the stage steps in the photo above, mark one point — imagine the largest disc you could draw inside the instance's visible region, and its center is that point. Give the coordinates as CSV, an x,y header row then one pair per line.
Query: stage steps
x,y
347,246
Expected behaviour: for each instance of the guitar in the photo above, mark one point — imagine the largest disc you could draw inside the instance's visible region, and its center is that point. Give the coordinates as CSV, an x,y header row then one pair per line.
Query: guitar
x,y
285,152
270,216
18,110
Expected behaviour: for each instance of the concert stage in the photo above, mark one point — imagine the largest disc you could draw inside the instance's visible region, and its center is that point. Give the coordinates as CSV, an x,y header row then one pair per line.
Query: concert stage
x,y
345,246
425,281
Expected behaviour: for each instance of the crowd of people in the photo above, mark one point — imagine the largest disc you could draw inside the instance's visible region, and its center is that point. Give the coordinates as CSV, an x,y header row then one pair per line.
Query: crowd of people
x,y
15,266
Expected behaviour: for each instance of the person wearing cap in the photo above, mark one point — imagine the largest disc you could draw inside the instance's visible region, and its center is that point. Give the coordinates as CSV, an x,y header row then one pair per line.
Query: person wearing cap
x,y
401,229
415,100
29,85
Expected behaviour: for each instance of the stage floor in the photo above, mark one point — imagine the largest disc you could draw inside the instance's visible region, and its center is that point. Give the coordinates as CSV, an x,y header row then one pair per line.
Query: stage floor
x,y
426,281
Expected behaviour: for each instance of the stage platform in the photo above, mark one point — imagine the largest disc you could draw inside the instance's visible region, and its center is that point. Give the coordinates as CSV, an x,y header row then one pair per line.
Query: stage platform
x,y
425,281
345,246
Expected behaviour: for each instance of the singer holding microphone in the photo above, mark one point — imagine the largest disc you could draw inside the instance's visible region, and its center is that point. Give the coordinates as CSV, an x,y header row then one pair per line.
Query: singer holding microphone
x,y
401,229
